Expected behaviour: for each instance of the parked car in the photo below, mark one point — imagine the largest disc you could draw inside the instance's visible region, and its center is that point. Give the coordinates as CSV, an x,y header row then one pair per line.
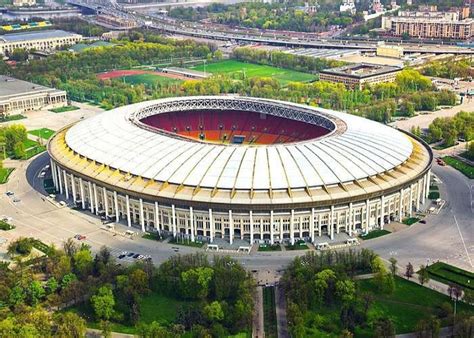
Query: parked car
x,y
9,193
136,256
131,254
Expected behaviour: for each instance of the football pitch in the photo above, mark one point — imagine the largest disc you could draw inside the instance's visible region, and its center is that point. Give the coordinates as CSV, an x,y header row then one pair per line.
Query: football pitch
x,y
149,79
233,67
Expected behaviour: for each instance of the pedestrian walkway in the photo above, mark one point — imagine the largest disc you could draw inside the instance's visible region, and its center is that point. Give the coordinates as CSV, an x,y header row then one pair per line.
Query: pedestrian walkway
x,y
258,330
280,303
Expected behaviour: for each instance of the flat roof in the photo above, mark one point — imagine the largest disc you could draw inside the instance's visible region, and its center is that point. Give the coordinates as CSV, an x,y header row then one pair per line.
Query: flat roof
x,y
11,87
361,70
36,35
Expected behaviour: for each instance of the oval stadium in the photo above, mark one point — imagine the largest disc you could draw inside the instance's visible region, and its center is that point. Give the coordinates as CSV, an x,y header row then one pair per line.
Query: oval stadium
x,y
235,169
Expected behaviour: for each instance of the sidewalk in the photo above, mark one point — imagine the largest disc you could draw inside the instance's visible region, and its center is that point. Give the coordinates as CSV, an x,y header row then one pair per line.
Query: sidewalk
x,y
282,322
258,330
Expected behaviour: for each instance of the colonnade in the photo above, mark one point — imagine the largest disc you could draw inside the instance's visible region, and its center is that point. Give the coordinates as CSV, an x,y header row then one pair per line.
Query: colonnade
x,y
250,225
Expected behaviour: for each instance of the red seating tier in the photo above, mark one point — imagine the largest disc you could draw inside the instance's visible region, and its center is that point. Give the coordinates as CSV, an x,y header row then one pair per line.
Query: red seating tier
x,y
256,127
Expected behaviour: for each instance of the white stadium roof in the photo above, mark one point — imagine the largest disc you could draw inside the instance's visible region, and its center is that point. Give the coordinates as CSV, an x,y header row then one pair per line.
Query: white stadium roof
x,y
357,149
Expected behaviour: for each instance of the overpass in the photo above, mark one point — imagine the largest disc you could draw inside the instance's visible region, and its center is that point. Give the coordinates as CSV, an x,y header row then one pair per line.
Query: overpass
x,y
169,26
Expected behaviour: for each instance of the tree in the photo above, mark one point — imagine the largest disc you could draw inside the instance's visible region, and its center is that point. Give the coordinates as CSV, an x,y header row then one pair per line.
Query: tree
x,y
383,328
428,328
67,279
19,54
214,312
22,246
35,292
468,296
103,303
83,262
19,150
409,271
323,282
138,281
17,296
423,275
196,282
52,285
69,324
393,266
345,290
104,326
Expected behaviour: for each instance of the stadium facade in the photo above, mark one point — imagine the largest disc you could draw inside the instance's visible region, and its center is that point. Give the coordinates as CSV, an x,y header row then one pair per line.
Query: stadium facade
x,y
235,167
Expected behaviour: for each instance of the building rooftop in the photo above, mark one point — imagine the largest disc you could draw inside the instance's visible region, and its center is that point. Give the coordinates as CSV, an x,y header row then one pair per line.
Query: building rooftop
x,y
361,70
36,35
11,87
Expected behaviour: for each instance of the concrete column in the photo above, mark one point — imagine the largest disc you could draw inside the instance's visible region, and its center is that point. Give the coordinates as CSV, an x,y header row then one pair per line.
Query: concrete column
x,y
410,205
319,224
91,197
271,227
173,220
231,228
96,199
428,182
211,226
191,222
59,180
81,189
338,220
251,226
54,174
331,223
351,219
73,185
66,188
367,216
106,202
261,229
423,190
300,227
157,217
418,193
116,207
292,227
382,213
129,219
311,225
142,216
400,207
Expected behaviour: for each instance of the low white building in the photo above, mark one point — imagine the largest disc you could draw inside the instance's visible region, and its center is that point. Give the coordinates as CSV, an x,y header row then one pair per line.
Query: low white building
x,y
18,96
38,40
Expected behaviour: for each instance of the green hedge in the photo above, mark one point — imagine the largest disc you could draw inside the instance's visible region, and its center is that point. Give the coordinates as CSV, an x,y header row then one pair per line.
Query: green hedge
x,y
450,274
6,226
375,234
465,168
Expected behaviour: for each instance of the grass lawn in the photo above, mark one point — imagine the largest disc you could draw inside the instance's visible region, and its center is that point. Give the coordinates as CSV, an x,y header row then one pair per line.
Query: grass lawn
x,y
4,174
64,109
196,244
149,80
15,117
375,233
49,186
408,304
153,307
238,68
153,236
410,220
443,146
268,247
433,195
269,312
446,273
434,188
299,245
465,168
44,133
466,156
6,226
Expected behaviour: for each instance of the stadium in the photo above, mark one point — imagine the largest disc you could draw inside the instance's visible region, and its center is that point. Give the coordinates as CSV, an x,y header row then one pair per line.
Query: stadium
x,y
235,169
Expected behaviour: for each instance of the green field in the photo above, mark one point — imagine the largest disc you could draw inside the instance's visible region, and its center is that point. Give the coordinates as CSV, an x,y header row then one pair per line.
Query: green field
x,y
269,312
410,220
153,307
149,80
238,68
268,247
184,242
375,233
12,118
299,245
64,109
465,168
44,133
4,174
447,274
408,304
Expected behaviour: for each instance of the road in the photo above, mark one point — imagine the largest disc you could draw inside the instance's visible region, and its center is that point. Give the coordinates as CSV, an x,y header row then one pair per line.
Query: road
x,y
448,236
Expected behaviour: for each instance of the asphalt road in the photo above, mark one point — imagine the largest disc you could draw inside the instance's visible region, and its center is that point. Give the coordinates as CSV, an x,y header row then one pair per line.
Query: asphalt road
x,y
448,236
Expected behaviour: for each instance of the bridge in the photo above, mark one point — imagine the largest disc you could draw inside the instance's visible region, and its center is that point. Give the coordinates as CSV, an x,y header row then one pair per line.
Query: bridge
x,y
169,26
